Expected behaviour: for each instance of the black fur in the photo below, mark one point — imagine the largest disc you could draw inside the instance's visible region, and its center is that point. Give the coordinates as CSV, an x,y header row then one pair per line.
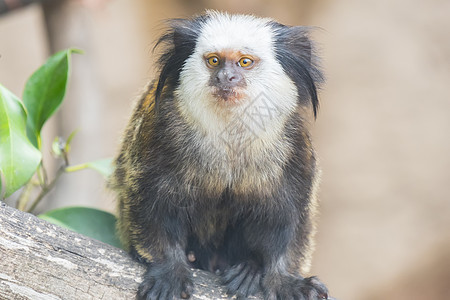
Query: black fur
x,y
295,53
256,240
178,44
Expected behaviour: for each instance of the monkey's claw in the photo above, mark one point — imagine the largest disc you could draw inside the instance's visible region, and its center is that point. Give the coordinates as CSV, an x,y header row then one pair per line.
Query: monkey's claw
x,y
242,280
294,288
161,284
317,288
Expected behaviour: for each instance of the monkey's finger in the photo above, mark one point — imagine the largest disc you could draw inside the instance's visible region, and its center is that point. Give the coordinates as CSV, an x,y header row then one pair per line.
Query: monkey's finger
x,y
153,294
164,294
250,284
234,276
187,290
143,289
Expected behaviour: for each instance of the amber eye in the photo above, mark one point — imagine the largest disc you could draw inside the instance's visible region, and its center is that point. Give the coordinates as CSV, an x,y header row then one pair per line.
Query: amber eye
x,y
213,61
245,62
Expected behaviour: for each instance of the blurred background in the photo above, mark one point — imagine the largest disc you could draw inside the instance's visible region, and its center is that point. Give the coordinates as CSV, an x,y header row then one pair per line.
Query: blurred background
x,y
383,131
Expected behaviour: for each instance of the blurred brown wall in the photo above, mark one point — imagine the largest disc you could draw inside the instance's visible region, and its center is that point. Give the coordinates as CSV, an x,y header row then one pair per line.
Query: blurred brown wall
x,y
382,133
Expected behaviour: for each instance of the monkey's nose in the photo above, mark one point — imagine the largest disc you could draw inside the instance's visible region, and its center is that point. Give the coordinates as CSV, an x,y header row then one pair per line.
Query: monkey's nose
x,y
229,78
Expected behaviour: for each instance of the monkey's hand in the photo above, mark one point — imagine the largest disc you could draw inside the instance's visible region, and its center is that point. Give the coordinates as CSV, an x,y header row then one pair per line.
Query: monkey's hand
x,y
243,280
284,287
165,281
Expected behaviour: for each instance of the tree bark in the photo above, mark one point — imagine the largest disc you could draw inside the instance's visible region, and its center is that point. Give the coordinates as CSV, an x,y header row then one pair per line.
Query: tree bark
x,y
39,260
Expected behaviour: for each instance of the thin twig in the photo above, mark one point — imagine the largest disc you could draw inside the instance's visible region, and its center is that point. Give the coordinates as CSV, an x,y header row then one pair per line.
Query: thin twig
x,y
75,168
47,188
25,195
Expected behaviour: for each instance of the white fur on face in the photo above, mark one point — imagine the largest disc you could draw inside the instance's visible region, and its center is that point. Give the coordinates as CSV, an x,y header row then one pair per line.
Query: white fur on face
x,y
268,89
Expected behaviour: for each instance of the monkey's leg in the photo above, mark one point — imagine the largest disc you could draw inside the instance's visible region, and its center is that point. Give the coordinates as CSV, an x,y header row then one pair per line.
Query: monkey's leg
x,y
160,241
270,261
281,279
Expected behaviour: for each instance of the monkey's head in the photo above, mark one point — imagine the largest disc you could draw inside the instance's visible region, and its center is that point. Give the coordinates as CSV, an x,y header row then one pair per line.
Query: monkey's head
x,y
219,64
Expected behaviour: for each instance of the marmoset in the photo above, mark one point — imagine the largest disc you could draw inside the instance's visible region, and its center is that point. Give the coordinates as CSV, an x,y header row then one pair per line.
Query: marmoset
x,y
216,169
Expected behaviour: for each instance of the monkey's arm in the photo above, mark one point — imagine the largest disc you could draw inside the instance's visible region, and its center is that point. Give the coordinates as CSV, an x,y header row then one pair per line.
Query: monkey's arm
x,y
150,223
277,243
157,234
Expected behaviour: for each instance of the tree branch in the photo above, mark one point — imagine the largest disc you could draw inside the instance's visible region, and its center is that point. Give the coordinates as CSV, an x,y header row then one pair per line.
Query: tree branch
x,y
39,260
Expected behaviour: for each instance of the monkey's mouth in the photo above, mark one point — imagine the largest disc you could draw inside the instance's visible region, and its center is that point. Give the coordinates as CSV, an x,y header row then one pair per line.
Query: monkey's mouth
x,y
228,94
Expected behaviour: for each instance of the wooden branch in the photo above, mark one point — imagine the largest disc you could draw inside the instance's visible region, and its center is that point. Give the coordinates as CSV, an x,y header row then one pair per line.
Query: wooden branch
x,y
39,260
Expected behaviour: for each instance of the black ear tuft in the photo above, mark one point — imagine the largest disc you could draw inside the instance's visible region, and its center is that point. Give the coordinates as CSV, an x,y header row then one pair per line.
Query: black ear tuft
x,y
178,44
295,52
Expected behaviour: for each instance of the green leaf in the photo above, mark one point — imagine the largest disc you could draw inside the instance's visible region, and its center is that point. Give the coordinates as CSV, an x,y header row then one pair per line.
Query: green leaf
x,y
97,224
45,90
18,158
103,166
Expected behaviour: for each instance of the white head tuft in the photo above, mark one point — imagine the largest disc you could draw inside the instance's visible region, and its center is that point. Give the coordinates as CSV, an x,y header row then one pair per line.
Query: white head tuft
x,y
268,89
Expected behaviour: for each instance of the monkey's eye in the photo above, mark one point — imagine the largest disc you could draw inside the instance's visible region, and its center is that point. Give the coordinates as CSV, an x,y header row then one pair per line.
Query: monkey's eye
x,y
213,61
245,62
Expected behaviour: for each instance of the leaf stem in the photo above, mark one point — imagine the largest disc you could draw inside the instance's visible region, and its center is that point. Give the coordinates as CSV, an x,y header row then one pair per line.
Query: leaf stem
x,y
39,140
46,189
75,168
25,195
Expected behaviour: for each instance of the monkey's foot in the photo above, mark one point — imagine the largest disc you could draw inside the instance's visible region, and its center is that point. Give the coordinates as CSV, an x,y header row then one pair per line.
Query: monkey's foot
x,y
288,287
242,280
162,282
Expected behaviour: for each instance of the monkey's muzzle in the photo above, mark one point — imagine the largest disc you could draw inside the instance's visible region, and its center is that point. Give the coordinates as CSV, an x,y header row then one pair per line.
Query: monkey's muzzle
x,y
228,84
227,94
